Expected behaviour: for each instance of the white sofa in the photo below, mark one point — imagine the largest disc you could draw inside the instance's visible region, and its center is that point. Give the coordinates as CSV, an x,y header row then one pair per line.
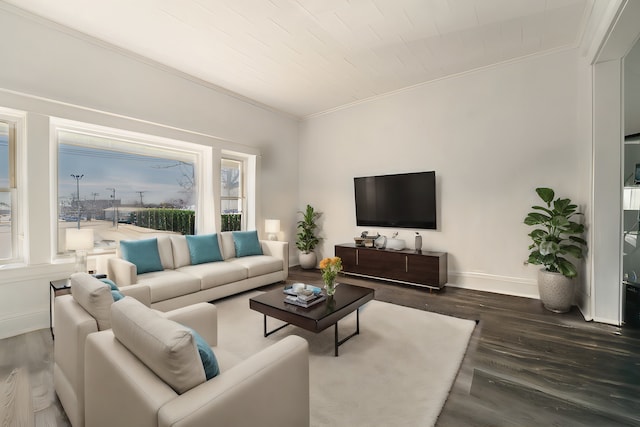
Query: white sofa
x,y
145,372
180,283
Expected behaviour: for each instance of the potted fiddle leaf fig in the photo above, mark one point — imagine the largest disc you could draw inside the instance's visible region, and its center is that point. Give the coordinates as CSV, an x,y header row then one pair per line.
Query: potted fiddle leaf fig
x,y
557,240
307,239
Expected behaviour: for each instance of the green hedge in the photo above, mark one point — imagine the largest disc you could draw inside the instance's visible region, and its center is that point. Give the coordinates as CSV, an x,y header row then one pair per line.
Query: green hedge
x,y
231,222
177,220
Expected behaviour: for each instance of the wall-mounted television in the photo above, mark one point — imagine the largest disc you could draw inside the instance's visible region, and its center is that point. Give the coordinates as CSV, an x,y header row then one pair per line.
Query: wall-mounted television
x,y
406,200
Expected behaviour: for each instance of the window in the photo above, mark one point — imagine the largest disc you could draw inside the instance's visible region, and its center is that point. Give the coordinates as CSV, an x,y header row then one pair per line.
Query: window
x,y
123,187
232,200
9,124
7,190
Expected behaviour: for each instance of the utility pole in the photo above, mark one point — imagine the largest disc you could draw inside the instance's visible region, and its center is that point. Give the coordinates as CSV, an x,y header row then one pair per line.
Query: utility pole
x,y
95,211
113,205
141,193
78,178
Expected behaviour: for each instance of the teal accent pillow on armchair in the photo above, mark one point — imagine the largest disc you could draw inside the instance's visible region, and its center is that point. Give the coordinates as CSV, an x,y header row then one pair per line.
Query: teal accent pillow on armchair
x,y
143,253
246,243
208,358
204,248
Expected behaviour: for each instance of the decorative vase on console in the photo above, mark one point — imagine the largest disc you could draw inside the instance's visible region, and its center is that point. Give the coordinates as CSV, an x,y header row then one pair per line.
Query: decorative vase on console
x,y
330,268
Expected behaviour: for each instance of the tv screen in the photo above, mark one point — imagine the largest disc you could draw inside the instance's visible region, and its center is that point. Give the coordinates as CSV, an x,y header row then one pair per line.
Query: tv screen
x,y
405,200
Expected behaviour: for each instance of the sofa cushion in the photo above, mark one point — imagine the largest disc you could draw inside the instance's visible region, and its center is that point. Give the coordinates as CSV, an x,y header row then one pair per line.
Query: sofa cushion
x,y
246,243
168,284
216,273
204,248
228,247
164,346
94,296
180,248
165,251
143,253
258,265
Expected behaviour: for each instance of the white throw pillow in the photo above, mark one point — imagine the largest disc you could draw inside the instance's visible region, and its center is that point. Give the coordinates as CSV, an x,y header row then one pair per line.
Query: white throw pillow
x,y
164,346
94,296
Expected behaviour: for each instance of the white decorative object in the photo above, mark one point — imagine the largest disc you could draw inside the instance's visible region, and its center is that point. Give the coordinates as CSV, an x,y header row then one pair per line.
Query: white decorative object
x,y
272,228
396,244
79,240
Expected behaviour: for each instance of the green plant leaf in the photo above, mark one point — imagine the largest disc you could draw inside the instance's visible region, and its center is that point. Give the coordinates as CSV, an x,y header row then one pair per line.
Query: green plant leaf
x,y
566,268
572,250
579,240
546,194
542,208
535,218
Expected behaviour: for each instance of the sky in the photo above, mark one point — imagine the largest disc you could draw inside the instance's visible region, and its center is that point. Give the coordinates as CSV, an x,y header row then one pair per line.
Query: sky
x,y
158,179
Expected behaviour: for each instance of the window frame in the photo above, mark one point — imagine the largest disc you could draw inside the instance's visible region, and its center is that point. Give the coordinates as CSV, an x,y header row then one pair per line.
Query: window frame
x,y
135,143
16,120
242,197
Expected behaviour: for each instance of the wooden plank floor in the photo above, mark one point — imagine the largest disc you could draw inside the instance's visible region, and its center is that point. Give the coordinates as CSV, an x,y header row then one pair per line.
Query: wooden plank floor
x,y
525,366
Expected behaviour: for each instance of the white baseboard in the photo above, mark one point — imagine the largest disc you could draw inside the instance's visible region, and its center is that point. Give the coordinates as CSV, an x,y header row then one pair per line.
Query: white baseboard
x,y
515,286
22,323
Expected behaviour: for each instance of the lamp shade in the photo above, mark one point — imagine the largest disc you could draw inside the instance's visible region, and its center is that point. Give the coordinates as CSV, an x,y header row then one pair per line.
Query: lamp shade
x,y
79,238
272,226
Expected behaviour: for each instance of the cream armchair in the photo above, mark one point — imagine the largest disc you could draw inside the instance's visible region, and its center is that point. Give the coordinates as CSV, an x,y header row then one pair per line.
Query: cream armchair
x,y
76,316
143,372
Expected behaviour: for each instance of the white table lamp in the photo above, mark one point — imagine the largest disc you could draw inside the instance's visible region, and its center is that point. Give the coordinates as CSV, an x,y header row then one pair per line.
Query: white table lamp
x,y
272,228
80,240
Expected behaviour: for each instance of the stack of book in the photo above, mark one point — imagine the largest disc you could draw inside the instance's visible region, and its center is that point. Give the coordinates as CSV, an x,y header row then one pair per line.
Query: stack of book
x,y
303,296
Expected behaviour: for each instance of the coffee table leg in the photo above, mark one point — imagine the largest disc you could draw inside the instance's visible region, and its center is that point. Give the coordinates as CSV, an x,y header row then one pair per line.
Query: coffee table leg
x,y
337,342
266,334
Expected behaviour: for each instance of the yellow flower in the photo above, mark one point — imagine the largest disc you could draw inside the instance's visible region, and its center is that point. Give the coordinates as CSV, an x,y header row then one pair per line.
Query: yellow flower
x,y
324,263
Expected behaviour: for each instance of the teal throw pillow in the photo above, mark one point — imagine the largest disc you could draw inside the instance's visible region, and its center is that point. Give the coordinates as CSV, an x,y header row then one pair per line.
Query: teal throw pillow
x,y
246,243
209,361
143,253
204,248
111,283
117,296
115,293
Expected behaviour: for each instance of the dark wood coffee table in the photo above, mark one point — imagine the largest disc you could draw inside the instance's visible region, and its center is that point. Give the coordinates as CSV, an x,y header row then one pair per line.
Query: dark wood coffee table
x,y
317,318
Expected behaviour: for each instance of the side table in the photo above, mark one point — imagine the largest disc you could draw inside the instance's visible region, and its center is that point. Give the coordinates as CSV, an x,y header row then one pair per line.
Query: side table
x,y
56,287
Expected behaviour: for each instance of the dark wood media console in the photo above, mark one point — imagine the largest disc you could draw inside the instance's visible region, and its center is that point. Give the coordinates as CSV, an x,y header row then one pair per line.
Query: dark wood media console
x,y
427,269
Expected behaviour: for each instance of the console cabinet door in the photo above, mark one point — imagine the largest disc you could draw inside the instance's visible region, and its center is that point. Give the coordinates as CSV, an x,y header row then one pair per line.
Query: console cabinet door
x,y
378,263
422,269
349,258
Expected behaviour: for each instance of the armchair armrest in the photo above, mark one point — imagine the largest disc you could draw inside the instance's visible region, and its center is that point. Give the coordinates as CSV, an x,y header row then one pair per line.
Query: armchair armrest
x,y
140,292
122,272
277,249
244,395
201,317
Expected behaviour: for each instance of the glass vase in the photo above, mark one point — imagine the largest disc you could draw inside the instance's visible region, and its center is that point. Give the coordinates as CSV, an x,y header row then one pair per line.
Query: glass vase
x,y
330,287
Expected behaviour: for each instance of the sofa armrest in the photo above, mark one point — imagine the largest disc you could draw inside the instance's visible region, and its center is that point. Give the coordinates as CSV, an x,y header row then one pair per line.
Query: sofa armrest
x,y
140,292
244,395
279,250
122,272
201,317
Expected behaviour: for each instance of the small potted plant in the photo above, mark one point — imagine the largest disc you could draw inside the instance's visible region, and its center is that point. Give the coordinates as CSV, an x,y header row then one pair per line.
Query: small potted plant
x,y
307,239
555,237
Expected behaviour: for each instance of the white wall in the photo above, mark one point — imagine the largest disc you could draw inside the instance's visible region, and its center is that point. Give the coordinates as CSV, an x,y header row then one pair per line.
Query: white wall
x,y
49,70
492,136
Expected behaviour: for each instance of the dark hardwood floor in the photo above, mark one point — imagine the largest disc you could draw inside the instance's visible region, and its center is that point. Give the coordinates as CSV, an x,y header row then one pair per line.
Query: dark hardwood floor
x,y
524,366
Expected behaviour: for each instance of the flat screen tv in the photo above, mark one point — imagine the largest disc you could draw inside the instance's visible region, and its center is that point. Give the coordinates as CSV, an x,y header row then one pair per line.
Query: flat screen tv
x,y
405,200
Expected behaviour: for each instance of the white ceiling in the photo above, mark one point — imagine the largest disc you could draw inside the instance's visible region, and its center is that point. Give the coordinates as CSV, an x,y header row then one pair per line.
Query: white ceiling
x,y
309,56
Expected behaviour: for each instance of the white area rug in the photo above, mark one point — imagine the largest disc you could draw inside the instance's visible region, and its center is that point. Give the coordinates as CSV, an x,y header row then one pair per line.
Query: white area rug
x,y
397,372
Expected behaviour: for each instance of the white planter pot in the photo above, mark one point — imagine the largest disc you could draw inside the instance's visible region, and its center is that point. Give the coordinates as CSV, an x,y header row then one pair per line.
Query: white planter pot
x,y
307,260
556,291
